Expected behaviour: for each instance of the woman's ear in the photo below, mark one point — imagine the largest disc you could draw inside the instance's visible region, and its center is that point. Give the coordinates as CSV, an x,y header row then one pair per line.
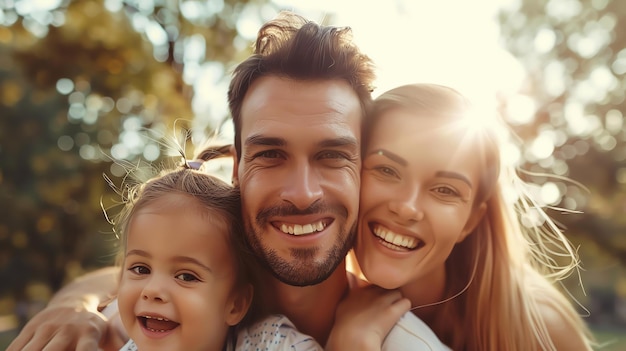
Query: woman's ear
x,y
239,304
474,218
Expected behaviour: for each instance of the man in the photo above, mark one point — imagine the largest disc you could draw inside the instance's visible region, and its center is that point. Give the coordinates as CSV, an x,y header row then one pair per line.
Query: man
x,y
297,104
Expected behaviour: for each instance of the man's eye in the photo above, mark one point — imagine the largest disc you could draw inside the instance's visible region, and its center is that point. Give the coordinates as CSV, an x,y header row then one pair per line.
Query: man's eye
x,y
188,277
268,154
140,270
332,154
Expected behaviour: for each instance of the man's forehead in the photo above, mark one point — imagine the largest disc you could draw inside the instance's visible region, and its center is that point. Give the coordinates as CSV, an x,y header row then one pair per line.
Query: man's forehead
x,y
300,96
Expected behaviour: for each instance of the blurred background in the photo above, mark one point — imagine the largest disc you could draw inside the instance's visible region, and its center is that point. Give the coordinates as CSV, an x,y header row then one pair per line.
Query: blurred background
x,y
91,87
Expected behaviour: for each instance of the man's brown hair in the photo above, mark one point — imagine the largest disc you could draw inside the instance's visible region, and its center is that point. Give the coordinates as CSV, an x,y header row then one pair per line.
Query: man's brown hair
x,y
292,47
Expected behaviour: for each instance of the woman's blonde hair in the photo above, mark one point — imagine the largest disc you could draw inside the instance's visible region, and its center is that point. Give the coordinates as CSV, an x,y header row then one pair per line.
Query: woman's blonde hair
x,y
507,272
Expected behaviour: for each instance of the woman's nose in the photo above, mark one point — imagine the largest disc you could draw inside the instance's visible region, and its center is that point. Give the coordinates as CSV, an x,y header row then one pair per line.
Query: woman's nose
x,y
408,209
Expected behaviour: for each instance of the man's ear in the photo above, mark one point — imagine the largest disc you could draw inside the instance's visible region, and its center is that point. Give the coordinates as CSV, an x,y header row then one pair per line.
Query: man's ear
x,y
475,216
238,305
235,177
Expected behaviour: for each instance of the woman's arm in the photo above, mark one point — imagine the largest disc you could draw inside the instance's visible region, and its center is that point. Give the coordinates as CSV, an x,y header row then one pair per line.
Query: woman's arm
x,y
72,319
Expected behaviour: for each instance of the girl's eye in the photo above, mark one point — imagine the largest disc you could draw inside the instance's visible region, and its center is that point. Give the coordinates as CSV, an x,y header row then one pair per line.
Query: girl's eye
x,y
187,277
140,270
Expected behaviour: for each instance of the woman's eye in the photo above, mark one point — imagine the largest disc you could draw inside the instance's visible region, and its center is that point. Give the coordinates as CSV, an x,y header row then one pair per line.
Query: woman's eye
x,y
187,277
140,269
446,191
387,171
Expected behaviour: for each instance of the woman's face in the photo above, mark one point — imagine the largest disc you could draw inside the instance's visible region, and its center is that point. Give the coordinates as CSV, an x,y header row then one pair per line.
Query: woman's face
x,y
419,180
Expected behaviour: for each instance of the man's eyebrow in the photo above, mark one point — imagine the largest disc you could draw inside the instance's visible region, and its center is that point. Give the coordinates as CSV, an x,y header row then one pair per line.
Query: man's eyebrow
x,y
339,142
264,141
454,175
390,155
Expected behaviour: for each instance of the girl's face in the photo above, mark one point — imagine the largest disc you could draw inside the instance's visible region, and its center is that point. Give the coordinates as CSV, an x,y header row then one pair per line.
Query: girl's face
x,y
177,289
418,184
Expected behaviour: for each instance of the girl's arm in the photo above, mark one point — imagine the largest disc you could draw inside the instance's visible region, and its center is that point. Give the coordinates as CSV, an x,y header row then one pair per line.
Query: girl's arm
x,y
365,317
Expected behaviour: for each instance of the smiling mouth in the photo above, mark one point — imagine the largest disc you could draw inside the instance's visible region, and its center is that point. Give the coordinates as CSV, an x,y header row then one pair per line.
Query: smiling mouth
x,y
395,241
301,229
157,324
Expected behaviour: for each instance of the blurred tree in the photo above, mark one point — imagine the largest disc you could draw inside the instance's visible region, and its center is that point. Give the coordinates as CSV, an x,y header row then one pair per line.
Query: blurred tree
x,y
575,55
86,87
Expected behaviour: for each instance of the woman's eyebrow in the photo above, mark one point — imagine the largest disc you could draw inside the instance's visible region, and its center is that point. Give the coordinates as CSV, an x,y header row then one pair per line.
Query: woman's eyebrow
x,y
390,155
455,175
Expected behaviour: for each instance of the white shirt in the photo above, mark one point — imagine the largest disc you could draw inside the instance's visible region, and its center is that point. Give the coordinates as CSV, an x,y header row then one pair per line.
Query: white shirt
x,y
274,333
412,334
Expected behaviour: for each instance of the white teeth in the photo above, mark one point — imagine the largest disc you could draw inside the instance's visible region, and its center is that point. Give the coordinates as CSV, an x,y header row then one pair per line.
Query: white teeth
x,y
394,238
157,318
298,229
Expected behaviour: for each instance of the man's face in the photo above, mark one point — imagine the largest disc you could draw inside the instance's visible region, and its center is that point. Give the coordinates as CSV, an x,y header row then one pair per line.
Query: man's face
x,y
299,175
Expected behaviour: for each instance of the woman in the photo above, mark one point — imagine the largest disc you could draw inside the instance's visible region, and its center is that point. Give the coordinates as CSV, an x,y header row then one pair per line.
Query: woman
x,y
437,222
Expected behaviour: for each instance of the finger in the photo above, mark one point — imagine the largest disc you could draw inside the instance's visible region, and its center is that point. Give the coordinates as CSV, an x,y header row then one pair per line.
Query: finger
x,y
385,296
20,342
23,338
393,313
59,342
401,307
39,340
87,344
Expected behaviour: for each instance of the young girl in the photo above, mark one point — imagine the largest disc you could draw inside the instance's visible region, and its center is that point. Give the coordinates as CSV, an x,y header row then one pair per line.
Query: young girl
x,y
437,222
186,280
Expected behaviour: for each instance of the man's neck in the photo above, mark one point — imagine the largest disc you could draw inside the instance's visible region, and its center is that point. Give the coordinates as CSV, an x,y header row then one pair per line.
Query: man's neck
x,y
310,308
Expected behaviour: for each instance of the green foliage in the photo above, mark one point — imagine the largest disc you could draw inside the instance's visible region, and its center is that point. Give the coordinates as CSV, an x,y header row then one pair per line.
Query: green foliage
x,y
87,87
575,55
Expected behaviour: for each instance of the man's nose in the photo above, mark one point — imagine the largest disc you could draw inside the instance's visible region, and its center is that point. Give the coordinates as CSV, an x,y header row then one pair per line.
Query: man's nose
x,y
303,185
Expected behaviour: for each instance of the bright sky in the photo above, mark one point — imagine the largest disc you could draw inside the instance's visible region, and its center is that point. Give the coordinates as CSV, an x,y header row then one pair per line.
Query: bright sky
x,y
453,42
450,42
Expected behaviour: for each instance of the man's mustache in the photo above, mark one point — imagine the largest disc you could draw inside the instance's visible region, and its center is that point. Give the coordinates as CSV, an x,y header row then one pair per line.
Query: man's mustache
x,y
288,209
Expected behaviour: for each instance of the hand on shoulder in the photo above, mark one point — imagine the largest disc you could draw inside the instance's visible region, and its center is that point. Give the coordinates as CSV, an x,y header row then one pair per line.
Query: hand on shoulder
x,y
65,326
72,321
365,317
